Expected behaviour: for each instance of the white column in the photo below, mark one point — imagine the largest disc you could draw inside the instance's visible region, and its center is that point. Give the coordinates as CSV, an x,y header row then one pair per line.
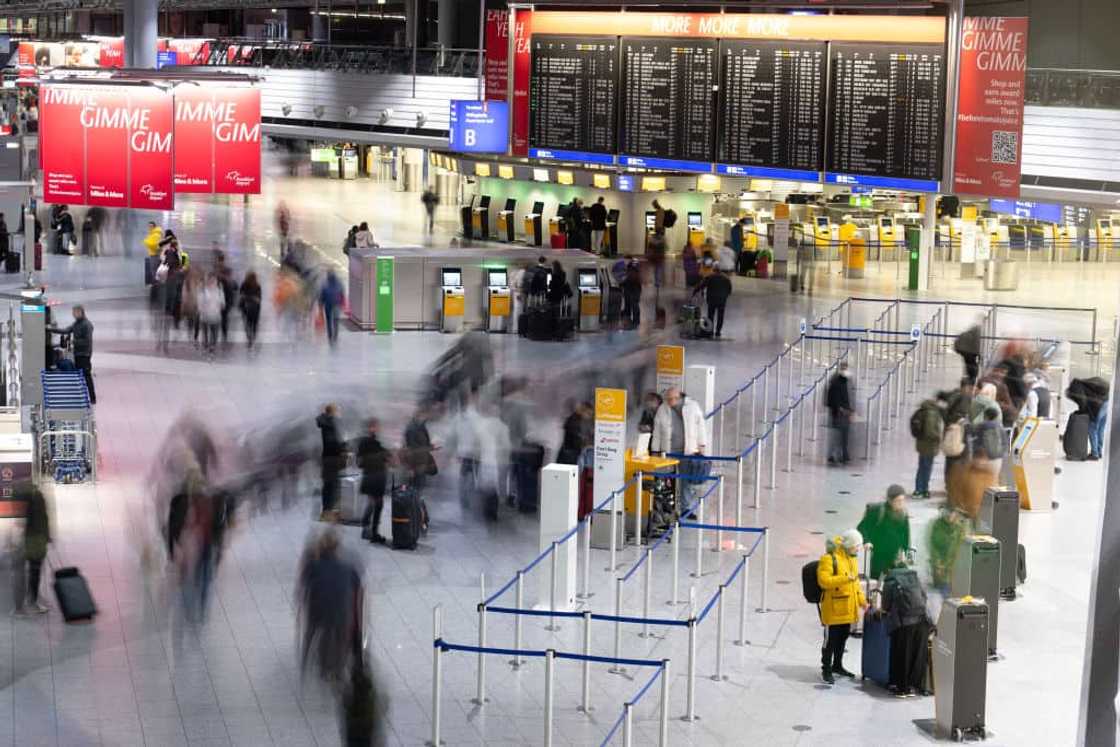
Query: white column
x,y
558,506
141,29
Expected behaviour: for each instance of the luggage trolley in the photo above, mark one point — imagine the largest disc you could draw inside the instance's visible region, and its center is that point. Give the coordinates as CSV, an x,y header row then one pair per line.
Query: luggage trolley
x,y
66,437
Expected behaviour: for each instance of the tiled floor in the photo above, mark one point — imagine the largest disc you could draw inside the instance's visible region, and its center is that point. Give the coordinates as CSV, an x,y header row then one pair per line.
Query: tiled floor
x,y
122,681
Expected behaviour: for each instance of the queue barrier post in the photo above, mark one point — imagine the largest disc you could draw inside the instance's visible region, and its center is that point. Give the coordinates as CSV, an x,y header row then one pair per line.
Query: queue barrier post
x,y
549,664
627,725
739,491
791,414
757,475
699,542
615,668
614,531
552,626
719,518
480,695
867,434
738,418
722,442
585,700
766,394
519,595
754,406
765,565
587,593
778,386
743,584
775,438
801,424
646,582
437,674
663,719
718,676
690,677
637,509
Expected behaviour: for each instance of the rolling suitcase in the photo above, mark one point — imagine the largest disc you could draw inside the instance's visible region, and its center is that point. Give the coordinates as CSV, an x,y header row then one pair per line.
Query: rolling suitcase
x,y
1075,441
11,264
875,662
351,502
74,599
408,518
530,459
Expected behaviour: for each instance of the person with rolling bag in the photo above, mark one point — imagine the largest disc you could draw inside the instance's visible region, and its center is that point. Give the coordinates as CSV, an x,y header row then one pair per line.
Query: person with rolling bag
x,y
36,537
373,459
904,606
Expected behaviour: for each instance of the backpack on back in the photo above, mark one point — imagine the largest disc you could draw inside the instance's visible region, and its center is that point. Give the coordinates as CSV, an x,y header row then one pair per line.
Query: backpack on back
x,y
903,588
670,218
952,443
810,587
916,423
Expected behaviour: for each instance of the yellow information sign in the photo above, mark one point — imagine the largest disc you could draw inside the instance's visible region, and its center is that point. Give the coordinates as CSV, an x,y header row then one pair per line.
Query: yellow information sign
x,y
610,405
670,367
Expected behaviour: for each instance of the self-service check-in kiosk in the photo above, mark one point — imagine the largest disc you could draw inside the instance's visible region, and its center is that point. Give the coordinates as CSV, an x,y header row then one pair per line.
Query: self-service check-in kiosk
x,y
481,218
497,300
822,231
452,298
696,230
611,238
466,217
590,298
1108,235
505,221
976,574
1033,455
1017,236
534,232
890,235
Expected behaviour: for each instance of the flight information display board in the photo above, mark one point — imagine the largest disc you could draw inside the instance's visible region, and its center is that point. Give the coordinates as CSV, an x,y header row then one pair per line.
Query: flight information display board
x,y
772,103
887,110
573,93
668,104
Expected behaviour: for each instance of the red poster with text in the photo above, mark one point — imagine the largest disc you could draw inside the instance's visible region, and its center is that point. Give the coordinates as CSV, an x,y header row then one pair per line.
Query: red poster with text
x,y
26,54
497,54
62,142
111,53
237,140
151,169
992,83
105,124
522,31
194,139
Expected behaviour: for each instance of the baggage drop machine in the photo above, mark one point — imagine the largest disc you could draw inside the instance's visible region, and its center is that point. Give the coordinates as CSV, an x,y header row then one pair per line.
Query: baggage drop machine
x,y
480,218
999,517
696,230
506,221
1033,456
466,217
590,298
976,574
534,232
611,239
960,668
498,300
452,299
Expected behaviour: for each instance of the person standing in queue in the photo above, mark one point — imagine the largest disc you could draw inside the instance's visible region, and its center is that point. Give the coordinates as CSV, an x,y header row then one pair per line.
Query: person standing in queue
x,y
967,346
152,245
717,289
81,338
838,400
842,600
333,458
631,287
597,213
886,527
249,299
373,459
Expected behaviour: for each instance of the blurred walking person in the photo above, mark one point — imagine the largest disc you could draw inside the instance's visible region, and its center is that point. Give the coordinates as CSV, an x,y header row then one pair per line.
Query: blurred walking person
x,y
36,537
838,400
430,200
249,299
333,458
418,452
373,459
211,303
331,298
330,609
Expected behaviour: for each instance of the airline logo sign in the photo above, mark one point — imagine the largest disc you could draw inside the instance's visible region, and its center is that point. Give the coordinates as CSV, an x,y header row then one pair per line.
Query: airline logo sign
x,y
88,132
218,140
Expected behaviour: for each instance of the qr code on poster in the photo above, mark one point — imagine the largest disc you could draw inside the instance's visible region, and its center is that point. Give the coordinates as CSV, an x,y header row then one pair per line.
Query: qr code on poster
x,y
1005,146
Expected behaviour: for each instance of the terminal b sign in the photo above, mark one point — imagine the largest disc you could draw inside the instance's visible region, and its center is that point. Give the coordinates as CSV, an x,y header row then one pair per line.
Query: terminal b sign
x,y
217,140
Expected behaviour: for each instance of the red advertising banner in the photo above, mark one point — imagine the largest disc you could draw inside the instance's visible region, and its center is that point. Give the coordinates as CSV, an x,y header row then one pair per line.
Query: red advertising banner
x,y
992,84
522,31
150,166
237,140
497,54
112,52
107,149
194,139
62,144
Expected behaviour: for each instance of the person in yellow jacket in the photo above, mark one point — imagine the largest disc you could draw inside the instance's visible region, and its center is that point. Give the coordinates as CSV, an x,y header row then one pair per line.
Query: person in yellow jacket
x,y
151,243
842,599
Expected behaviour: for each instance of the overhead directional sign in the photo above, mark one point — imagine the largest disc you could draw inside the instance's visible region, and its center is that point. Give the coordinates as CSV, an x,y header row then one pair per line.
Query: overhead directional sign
x,y
479,126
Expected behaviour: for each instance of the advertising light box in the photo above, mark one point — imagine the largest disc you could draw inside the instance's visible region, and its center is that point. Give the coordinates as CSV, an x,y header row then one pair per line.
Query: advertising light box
x,y
479,126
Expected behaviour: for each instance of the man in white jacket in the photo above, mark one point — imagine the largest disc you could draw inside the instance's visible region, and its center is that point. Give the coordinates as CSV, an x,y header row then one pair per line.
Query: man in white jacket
x,y
678,426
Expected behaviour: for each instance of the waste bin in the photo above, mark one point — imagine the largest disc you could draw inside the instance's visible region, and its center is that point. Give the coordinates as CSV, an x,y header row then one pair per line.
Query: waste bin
x,y
1001,274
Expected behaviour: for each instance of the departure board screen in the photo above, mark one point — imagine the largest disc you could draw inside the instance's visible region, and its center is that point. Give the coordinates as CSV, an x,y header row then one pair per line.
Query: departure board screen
x,y
573,93
772,102
887,111
667,98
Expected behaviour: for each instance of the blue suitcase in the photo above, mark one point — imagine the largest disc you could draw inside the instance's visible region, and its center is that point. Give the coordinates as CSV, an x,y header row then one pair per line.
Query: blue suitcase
x,y
876,655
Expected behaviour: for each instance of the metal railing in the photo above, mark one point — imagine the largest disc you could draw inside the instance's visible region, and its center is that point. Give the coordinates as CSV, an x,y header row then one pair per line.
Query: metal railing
x,y
306,55
1091,89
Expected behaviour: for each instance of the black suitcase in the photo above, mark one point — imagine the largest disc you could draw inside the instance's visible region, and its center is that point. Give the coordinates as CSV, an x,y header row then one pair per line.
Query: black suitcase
x,y
1075,441
529,460
72,592
11,262
408,518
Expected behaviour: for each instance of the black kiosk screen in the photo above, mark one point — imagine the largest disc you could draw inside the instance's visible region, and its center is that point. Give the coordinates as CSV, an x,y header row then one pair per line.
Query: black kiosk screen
x,y
772,101
573,88
887,112
667,100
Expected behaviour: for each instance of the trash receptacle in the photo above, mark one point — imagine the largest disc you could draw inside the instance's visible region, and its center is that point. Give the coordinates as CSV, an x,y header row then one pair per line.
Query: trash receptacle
x,y
1001,274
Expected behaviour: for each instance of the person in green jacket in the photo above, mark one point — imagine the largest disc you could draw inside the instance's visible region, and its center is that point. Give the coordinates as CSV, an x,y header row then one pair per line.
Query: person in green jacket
x,y
886,527
927,427
36,537
946,533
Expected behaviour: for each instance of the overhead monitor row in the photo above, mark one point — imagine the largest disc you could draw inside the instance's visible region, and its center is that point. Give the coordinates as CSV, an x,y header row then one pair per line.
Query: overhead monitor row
x,y
677,103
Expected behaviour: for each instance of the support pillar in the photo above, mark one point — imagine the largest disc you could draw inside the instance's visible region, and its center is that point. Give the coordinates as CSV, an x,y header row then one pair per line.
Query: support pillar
x,y
141,32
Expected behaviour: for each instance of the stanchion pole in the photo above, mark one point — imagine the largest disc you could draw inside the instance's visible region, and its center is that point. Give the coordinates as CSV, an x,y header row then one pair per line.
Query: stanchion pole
x,y
552,626
743,585
480,696
757,475
699,542
765,565
519,596
690,677
437,674
754,407
766,394
638,510
614,530
719,517
778,385
739,491
816,409
548,672
627,725
585,702
738,420
663,720
801,425
859,364
800,361
587,593
791,413
615,668
675,541
775,439
645,593
722,439
718,676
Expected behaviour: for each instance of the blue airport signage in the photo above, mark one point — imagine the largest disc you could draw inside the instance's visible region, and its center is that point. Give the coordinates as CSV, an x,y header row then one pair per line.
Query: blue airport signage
x,y
625,183
163,59
668,164
1043,211
604,159
479,126
883,182
766,172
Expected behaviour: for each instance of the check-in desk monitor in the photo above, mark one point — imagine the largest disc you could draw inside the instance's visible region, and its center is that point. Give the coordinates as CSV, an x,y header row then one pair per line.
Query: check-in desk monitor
x,y
590,298
498,300
453,299
696,230
506,221
651,221
482,218
822,231
534,233
466,216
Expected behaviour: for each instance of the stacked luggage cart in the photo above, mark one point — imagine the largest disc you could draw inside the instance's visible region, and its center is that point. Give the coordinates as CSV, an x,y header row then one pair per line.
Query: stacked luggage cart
x,y
66,435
